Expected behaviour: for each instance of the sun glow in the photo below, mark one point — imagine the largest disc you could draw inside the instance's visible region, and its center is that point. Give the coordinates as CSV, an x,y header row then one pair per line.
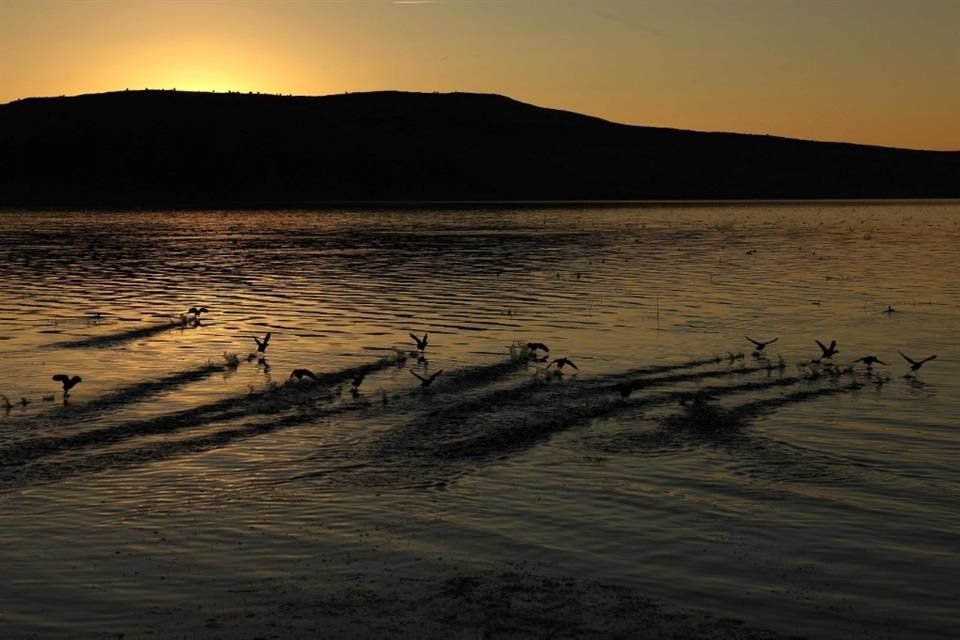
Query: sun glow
x,y
197,67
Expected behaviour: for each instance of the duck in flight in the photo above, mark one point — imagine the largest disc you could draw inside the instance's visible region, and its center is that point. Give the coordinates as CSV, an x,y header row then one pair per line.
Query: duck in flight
x,y
426,382
562,362
533,349
421,342
262,344
870,361
828,352
760,345
68,382
915,364
300,374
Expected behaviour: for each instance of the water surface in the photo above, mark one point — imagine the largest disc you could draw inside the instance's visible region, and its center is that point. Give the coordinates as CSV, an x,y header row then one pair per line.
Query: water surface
x,y
828,506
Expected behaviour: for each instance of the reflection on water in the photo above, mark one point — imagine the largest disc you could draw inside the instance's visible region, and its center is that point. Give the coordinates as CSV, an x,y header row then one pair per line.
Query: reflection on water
x,y
805,498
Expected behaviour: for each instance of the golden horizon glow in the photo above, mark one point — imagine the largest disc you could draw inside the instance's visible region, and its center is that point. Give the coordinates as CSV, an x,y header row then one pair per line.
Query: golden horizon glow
x,y
867,71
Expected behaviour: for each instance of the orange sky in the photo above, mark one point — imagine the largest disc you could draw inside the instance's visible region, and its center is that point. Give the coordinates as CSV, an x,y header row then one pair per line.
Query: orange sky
x,y
872,71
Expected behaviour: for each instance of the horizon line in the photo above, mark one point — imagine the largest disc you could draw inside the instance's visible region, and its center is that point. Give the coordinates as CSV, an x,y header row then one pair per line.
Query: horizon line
x,y
322,205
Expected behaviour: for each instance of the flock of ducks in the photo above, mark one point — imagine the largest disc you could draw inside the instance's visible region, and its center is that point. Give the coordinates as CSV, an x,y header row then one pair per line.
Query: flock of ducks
x,y
537,352
192,318
828,351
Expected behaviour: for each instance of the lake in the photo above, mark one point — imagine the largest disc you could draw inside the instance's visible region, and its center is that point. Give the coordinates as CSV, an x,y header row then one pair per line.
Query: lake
x,y
188,476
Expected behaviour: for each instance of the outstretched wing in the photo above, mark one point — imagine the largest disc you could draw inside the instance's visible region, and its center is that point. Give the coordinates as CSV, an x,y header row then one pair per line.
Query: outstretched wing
x,y
822,346
907,358
927,359
420,377
770,341
755,342
61,377
434,376
570,362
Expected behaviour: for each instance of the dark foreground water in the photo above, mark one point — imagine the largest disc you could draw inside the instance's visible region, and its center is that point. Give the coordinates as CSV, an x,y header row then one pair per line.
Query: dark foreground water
x,y
182,478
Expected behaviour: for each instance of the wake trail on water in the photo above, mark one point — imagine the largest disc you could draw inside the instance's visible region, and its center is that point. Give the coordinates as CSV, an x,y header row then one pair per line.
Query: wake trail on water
x,y
427,437
120,337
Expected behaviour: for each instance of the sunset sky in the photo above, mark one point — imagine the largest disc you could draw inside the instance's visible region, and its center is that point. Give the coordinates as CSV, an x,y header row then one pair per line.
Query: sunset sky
x,y
872,71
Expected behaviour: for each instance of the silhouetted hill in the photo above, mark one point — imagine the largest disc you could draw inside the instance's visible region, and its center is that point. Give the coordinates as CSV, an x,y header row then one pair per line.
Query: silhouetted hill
x,y
184,149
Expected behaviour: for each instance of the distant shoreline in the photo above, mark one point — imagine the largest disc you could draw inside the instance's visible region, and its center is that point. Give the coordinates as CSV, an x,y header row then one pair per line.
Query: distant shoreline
x,y
484,204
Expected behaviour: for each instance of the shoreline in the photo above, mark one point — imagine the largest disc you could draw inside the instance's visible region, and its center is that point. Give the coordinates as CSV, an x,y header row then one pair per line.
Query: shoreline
x,y
476,204
449,602
507,604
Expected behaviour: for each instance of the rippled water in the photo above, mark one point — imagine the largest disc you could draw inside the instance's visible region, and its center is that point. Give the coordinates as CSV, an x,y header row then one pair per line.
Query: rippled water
x,y
824,505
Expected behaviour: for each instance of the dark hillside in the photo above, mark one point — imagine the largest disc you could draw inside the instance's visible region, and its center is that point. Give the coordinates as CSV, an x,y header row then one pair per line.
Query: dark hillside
x,y
180,149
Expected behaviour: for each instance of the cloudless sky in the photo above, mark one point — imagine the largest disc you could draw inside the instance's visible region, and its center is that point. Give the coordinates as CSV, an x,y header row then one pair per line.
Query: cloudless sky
x,y
873,71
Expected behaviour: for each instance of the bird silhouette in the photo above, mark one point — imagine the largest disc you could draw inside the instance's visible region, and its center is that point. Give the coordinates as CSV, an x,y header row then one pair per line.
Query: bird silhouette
x,y
421,342
870,361
68,382
300,374
357,381
828,352
889,310
196,311
562,362
262,344
760,345
426,382
533,346
915,364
